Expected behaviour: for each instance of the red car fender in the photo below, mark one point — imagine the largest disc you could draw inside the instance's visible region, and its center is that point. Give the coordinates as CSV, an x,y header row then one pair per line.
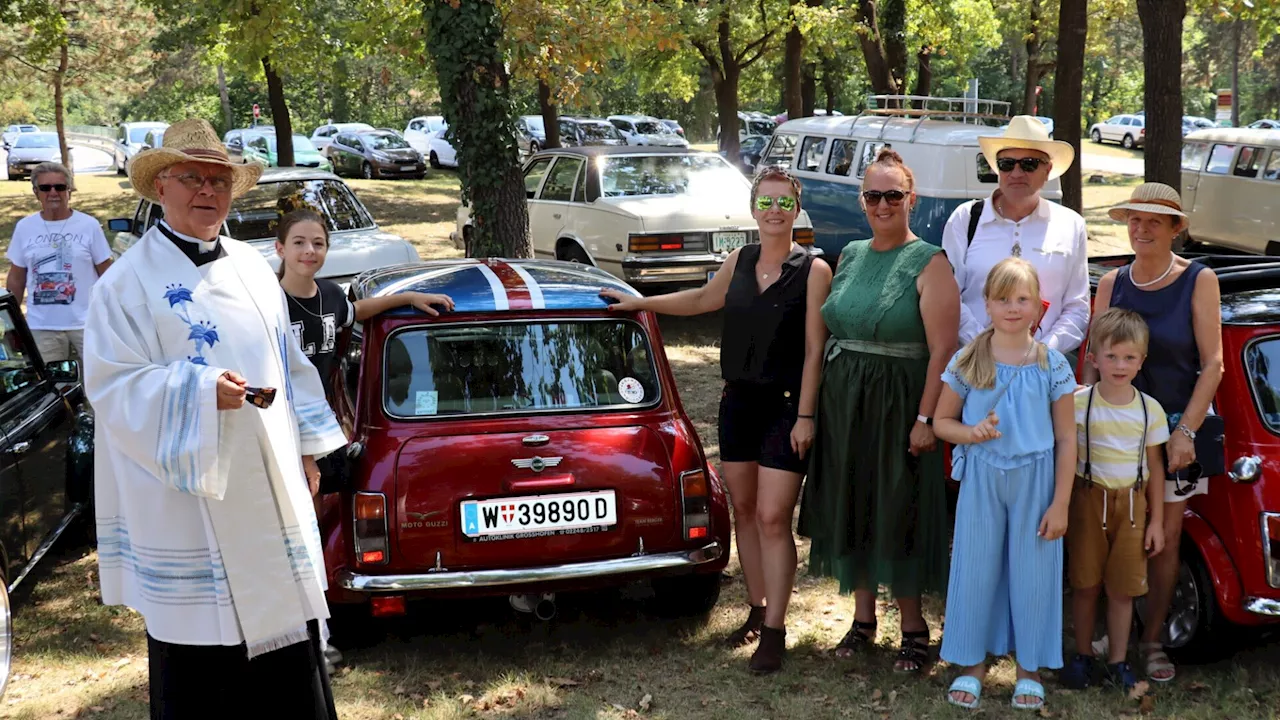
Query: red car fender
x,y
1222,572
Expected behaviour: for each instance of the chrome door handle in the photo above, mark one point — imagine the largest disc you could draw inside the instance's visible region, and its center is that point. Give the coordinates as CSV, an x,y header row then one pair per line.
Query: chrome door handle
x,y
20,448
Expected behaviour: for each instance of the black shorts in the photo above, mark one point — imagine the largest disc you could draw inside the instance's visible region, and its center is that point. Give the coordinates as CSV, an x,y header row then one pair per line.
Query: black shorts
x,y
756,423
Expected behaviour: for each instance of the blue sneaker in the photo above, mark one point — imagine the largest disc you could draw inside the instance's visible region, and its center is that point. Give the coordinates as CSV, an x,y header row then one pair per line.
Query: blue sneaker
x,y
1121,675
1080,673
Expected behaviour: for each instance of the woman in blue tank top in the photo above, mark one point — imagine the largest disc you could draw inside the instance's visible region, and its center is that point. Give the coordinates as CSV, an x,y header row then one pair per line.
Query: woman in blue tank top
x,y
1182,305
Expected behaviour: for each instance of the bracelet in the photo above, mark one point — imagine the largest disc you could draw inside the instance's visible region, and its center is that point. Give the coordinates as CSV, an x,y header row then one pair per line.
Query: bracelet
x,y
805,417
1187,431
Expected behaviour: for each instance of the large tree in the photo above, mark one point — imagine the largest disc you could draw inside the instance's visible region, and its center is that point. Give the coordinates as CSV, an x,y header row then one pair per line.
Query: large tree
x,y
1162,94
1068,91
728,21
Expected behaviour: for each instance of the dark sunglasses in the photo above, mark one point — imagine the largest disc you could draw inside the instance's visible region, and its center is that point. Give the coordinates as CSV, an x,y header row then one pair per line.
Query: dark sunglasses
x,y
262,397
786,203
893,197
60,187
1028,164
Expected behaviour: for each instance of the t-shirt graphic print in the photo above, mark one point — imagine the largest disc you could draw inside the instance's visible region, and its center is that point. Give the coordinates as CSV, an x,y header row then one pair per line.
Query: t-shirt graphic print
x,y
316,320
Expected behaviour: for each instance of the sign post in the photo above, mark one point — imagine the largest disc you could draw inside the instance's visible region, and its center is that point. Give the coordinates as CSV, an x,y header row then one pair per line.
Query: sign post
x,y
256,114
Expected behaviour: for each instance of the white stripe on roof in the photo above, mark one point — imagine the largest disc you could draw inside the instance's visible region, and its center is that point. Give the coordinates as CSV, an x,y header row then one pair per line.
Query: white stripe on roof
x,y
499,293
535,290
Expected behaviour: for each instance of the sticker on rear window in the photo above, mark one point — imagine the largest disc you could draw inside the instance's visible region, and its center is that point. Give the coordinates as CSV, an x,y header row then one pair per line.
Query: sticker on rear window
x,y
425,402
631,389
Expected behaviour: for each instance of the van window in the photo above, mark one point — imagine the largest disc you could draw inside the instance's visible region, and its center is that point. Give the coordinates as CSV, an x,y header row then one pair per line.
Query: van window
x,y
1273,167
1250,160
869,152
811,154
986,173
1220,159
841,157
1193,155
780,151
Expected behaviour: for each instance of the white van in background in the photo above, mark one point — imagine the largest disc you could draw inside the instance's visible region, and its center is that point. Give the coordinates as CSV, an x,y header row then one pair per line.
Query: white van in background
x,y
1231,188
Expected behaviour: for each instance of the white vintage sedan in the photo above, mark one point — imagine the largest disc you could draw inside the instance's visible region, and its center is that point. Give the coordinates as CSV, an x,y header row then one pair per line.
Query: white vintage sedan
x,y
655,217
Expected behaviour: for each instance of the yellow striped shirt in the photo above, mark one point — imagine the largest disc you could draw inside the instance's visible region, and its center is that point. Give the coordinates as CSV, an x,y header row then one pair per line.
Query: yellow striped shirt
x,y
1115,431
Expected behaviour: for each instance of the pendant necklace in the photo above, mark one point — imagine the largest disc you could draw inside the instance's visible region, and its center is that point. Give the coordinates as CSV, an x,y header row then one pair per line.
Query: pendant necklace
x,y
1163,275
1017,244
319,296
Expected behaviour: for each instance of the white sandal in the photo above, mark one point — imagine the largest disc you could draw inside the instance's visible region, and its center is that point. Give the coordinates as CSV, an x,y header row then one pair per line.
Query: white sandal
x,y
1157,661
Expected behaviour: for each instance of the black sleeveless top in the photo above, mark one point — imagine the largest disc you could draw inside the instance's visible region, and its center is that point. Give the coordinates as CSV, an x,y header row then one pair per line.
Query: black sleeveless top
x,y
1173,358
763,337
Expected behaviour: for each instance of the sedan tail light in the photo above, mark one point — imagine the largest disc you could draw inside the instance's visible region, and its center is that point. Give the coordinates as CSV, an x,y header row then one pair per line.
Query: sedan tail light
x,y
802,236
697,504
1271,547
649,243
372,547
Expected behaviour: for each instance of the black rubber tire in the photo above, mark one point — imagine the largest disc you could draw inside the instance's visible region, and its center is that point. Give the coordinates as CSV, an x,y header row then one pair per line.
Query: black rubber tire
x,y
1211,638
1096,136
435,160
572,252
1127,142
366,171
686,595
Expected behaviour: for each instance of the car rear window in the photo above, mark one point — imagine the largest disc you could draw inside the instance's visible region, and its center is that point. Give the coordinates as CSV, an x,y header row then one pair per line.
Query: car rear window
x,y
1262,365
518,368
254,215
632,175
599,131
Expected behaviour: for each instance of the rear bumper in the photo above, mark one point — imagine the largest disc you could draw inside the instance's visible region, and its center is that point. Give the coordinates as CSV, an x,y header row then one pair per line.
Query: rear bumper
x,y
691,269
658,563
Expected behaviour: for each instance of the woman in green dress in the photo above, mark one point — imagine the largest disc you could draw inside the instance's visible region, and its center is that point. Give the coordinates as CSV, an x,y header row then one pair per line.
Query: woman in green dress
x,y
875,502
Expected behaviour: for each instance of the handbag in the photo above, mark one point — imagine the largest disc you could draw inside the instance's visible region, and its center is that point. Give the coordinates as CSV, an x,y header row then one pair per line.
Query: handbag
x,y
1211,453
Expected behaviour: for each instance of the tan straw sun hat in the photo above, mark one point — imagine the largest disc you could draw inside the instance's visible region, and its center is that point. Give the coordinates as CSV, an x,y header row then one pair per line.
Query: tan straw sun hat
x,y
1027,133
191,140
1150,197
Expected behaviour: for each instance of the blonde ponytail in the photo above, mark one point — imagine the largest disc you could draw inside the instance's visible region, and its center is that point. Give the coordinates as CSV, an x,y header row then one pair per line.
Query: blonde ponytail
x,y
977,363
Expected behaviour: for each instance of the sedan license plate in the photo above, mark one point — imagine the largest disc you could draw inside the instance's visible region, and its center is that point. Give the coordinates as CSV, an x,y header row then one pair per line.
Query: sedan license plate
x,y
728,241
539,515
408,168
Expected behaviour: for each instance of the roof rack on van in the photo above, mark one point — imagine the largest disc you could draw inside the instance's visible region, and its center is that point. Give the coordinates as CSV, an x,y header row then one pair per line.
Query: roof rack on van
x,y
920,106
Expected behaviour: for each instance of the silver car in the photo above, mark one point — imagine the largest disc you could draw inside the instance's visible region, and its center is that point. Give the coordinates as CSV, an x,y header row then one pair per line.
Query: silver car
x,y
12,132
31,149
356,243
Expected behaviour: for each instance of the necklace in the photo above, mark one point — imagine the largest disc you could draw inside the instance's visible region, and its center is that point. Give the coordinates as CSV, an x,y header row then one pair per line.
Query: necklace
x,y
1165,274
319,296
49,233
1016,251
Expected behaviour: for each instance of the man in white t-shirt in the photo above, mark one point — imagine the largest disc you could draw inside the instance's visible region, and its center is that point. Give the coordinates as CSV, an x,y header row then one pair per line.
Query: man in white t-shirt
x,y
57,254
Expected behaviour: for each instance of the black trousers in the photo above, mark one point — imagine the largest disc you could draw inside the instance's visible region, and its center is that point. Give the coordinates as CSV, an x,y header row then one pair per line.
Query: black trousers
x,y
195,682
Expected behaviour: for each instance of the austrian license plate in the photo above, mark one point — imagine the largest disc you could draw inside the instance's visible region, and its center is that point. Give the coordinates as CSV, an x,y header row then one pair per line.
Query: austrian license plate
x,y
539,515
408,168
728,241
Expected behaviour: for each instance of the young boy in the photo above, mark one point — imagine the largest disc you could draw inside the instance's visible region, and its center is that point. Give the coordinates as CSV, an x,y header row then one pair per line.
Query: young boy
x,y
1119,474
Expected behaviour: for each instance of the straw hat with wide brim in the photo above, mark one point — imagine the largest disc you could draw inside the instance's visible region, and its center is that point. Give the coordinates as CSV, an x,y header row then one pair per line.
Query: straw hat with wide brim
x,y
1150,197
1025,133
191,140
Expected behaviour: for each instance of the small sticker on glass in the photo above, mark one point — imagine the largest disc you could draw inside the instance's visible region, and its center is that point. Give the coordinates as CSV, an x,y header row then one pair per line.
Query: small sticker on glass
x,y
425,402
631,390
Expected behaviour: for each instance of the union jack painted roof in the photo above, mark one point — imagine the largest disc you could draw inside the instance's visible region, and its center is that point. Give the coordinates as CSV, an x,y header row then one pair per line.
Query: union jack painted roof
x,y
495,285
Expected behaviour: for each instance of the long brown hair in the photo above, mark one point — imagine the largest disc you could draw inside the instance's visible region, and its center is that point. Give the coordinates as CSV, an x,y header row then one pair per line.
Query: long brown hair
x,y
976,364
293,218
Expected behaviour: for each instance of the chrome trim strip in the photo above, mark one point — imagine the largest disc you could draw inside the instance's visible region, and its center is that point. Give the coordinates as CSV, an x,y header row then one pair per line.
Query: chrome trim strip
x,y
49,540
1262,606
1273,573
450,580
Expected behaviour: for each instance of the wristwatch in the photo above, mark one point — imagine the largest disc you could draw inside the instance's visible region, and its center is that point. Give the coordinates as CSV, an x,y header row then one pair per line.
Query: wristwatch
x,y
1187,431
925,419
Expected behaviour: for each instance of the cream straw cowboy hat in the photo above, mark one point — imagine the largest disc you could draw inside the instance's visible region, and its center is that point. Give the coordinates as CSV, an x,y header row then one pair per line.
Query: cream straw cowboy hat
x,y
1150,197
1025,133
191,140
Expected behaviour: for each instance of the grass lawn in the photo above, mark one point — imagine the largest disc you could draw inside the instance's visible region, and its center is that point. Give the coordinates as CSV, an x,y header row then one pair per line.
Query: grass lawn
x,y
604,657
1109,149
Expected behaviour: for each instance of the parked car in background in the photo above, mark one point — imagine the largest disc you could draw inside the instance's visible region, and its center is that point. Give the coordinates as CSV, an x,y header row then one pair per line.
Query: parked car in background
x,y
154,139
46,462
261,148
1230,185
1265,124
323,135
529,443
440,151
419,129
752,124
531,134
645,130
654,217
749,152
1191,123
580,132
375,154
31,149
356,243
11,133
1128,130
131,138
673,126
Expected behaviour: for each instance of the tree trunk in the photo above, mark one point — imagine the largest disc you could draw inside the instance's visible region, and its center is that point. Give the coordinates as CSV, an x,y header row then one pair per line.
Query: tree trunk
x,y
1162,94
1068,92
727,108
225,98
59,114
924,72
893,28
873,49
279,115
830,83
1033,59
808,89
793,54
341,109
550,115
1235,73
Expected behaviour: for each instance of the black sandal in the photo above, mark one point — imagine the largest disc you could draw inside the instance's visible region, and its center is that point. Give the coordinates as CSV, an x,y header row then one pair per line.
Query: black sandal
x,y
750,630
914,651
860,637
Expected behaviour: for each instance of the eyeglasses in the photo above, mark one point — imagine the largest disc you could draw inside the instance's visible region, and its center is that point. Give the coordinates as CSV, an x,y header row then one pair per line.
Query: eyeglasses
x,y
195,181
786,203
893,197
56,187
1028,164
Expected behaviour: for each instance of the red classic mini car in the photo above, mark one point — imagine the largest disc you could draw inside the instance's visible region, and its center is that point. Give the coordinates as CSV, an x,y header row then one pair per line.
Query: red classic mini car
x,y
1231,536
529,442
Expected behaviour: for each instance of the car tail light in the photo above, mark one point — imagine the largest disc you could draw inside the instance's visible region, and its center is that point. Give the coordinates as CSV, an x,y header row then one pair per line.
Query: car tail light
x,y
649,243
802,236
697,504
1271,547
371,528
387,606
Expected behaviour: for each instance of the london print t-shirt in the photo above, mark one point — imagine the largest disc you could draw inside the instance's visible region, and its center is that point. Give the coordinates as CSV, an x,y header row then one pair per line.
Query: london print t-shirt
x,y
316,322
59,257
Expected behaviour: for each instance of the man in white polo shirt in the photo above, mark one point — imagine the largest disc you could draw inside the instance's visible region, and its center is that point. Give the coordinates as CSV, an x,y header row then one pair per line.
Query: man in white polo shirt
x,y
1016,221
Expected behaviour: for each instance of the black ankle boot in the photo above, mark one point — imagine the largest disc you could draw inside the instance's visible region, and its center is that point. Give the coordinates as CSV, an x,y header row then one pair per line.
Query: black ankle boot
x,y
750,630
768,656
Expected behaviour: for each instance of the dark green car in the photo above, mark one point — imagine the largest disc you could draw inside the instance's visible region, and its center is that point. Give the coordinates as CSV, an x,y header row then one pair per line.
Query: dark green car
x,y
261,148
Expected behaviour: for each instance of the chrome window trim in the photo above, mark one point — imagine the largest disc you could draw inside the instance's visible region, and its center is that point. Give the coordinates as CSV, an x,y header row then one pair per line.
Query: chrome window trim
x,y
1253,391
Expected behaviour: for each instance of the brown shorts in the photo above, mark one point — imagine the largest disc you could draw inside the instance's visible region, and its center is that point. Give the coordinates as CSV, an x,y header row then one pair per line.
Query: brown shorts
x,y
1115,555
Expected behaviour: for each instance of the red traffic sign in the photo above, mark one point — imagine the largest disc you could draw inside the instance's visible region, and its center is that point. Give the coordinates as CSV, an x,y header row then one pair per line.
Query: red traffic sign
x,y
256,112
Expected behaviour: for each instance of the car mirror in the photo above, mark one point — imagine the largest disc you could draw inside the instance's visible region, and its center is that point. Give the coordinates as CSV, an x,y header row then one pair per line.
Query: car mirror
x,y
120,225
1245,469
64,371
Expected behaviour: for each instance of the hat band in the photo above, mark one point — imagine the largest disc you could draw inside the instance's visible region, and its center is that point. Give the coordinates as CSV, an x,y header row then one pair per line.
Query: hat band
x,y
1159,201
207,154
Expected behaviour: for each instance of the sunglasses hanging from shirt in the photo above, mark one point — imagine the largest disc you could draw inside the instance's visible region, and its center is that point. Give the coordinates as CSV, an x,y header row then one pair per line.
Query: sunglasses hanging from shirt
x,y
262,397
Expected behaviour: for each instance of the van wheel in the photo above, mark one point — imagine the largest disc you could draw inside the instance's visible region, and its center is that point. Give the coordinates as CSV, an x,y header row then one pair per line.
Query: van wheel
x,y
1127,142
1194,629
435,160
686,595
1096,136
572,252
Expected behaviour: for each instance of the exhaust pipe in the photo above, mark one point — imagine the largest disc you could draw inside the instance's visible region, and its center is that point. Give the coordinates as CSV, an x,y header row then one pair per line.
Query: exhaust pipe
x,y
542,606
546,608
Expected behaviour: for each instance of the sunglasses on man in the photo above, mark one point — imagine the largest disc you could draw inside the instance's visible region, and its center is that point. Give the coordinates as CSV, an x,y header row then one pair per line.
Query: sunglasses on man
x,y
786,203
1028,164
893,197
58,187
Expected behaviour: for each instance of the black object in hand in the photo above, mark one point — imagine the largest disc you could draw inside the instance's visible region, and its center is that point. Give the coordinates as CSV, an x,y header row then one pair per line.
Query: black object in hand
x,y
262,397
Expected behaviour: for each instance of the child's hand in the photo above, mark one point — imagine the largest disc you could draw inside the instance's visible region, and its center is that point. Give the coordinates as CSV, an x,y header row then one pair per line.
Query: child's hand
x,y
425,301
1155,540
1054,523
312,472
985,430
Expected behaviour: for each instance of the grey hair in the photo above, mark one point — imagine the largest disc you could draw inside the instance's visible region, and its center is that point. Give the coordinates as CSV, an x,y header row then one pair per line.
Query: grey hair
x,y
47,168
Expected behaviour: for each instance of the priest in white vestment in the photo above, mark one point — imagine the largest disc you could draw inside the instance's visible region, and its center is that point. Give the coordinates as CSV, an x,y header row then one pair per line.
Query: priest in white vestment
x,y
205,520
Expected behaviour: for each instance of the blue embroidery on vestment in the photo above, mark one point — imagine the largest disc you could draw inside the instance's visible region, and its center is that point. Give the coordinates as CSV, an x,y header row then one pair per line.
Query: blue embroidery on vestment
x,y
203,333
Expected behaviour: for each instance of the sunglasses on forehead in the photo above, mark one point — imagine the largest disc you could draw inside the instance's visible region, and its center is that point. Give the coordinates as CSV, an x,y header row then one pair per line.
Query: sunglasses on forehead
x,y
893,197
786,203
59,187
1028,164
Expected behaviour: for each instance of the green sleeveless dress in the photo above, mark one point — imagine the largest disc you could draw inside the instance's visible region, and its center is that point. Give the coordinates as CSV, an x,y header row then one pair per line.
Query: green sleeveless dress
x,y
875,513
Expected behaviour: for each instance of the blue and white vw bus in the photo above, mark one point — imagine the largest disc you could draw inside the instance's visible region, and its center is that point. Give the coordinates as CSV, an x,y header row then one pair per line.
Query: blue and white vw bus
x,y
830,155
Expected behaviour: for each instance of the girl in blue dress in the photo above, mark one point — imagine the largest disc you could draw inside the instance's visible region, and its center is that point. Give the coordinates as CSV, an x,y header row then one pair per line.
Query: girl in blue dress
x,y
1007,406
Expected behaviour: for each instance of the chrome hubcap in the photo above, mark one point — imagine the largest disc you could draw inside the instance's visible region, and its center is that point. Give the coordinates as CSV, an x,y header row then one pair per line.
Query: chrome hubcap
x,y
1183,621
6,638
